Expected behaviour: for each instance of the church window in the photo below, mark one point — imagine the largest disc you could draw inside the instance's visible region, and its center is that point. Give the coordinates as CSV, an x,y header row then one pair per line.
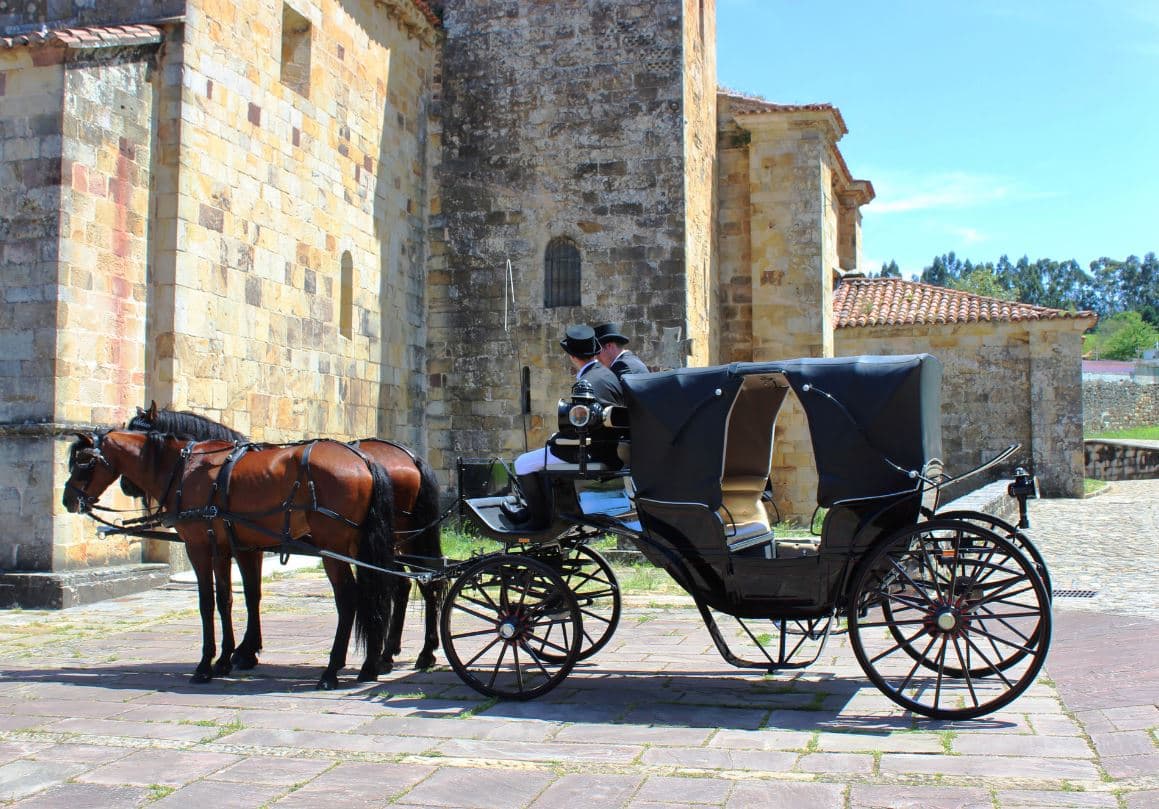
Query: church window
x,y
561,273
295,51
346,297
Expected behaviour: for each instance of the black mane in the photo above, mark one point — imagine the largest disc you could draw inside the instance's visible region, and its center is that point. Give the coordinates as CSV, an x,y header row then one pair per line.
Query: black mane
x,y
183,424
179,424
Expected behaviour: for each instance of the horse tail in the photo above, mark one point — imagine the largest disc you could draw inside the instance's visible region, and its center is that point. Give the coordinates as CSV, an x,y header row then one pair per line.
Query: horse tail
x,y
429,540
376,548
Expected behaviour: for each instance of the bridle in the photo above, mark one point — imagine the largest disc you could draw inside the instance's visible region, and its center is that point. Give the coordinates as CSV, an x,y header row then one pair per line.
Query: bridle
x,y
86,460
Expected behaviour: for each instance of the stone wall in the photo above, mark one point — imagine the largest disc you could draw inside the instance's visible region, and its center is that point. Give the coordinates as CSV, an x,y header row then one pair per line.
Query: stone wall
x,y
1118,405
200,225
702,288
733,240
560,120
74,292
1120,460
1003,383
289,286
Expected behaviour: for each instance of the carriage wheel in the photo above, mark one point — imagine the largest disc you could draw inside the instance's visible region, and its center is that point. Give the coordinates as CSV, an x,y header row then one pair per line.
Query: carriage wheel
x,y
498,619
1020,540
949,620
597,591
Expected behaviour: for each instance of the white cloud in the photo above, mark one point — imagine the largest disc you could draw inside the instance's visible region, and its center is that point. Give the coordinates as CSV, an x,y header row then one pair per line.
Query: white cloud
x,y
904,193
968,235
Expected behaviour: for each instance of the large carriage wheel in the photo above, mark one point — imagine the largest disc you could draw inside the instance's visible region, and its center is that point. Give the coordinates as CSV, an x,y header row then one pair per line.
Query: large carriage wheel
x,y
899,619
597,591
499,618
949,620
1020,540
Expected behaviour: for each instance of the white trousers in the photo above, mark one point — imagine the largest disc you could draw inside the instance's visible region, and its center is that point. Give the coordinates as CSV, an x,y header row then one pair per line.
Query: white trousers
x,y
535,460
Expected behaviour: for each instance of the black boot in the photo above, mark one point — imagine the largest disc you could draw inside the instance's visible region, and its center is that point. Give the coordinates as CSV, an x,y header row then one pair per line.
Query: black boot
x,y
531,511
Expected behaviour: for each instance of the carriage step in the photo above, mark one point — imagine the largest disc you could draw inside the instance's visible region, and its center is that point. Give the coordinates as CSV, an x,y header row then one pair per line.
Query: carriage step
x,y
1074,593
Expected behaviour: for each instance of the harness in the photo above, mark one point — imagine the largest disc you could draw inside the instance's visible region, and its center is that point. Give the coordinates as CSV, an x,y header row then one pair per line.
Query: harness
x,y
217,507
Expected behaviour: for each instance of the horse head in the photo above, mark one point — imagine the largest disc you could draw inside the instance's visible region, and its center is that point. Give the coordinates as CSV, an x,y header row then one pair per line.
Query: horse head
x,y
89,473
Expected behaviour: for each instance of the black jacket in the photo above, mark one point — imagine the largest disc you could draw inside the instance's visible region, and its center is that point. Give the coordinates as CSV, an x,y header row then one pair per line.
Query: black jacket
x,y
628,363
605,384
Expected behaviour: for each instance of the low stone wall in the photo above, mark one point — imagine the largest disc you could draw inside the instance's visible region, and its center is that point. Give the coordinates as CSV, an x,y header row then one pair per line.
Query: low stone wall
x,y
1118,405
1121,460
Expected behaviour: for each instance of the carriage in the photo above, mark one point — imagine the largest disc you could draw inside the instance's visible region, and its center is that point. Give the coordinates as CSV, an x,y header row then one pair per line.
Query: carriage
x,y
947,612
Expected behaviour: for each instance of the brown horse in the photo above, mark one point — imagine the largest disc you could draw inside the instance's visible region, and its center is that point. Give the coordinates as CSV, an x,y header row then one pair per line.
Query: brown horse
x,y
218,494
417,539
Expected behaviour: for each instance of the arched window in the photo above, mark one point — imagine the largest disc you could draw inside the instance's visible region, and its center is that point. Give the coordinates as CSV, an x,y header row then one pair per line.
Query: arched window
x,y
346,297
561,275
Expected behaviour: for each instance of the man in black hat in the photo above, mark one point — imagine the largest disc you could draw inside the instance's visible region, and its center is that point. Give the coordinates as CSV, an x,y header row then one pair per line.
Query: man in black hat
x,y
613,355
582,349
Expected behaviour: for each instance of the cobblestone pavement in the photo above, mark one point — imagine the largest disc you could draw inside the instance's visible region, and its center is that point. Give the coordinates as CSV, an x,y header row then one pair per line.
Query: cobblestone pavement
x,y
96,710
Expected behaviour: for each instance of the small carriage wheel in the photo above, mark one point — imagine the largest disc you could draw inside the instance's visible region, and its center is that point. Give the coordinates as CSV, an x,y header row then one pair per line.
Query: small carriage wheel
x,y
597,591
500,615
949,620
1020,540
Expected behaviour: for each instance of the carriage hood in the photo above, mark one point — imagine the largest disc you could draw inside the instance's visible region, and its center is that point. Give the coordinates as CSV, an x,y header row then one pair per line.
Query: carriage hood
x,y
871,420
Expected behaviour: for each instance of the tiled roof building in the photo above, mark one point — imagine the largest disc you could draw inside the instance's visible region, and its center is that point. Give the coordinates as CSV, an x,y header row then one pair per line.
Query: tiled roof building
x,y
894,302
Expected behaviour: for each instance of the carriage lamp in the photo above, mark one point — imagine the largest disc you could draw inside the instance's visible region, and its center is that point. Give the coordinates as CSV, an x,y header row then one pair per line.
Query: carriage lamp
x,y
584,411
579,415
1022,488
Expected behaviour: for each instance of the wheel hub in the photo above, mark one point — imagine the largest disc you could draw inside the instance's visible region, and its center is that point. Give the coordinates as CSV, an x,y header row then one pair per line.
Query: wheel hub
x,y
946,619
508,628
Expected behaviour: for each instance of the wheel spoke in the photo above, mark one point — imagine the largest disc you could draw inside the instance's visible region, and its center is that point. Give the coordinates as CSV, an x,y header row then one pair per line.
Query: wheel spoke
x,y
966,669
484,651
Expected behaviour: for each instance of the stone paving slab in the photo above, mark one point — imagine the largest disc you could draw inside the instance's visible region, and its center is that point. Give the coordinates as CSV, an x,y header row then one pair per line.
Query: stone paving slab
x,y
96,710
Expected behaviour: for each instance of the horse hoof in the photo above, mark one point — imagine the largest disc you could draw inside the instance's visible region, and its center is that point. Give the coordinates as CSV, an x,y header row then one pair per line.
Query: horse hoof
x,y
200,677
425,662
368,675
327,683
385,666
245,660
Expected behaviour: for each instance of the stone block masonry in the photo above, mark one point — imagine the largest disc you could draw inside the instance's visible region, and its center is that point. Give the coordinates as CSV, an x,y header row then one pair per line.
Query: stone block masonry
x,y
560,120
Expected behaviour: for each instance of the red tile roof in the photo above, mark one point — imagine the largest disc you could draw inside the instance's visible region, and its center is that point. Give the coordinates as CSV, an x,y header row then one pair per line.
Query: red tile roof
x,y
894,302
99,36
431,9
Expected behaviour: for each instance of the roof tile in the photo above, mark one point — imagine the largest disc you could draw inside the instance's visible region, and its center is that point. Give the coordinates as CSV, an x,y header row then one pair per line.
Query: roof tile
x,y
102,36
894,302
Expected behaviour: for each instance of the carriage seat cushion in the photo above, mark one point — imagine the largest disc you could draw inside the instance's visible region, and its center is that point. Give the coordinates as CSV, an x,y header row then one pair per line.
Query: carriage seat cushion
x,y
743,511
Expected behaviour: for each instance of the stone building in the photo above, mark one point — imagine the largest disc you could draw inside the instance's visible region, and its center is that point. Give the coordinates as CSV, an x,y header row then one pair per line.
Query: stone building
x,y
368,217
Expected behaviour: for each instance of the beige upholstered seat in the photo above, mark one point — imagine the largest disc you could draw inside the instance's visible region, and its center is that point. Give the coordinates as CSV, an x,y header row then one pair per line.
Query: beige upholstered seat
x,y
748,457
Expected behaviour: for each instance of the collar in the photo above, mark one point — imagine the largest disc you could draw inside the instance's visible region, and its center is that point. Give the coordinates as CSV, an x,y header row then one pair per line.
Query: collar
x,y
584,370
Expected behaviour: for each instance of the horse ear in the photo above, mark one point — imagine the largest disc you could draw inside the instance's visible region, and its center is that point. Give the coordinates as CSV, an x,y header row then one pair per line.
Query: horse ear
x,y
152,413
86,439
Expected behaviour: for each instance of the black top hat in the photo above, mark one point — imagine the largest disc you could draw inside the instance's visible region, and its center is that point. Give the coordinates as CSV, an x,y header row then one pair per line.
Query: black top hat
x,y
610,331
580,341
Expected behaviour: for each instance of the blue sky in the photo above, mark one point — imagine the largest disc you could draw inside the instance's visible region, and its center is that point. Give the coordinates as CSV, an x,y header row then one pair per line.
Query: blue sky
x,y
1026,127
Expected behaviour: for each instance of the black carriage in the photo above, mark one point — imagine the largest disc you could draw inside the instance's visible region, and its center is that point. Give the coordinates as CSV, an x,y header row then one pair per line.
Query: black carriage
x,y
948,613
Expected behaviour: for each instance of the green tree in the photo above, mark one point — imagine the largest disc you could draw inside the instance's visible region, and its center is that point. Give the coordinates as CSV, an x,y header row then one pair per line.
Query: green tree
x,y
1125,336
982,280
890,270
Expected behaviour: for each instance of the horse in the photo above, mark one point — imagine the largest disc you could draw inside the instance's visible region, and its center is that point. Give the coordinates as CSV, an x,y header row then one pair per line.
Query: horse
x,y
417,537
219,494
